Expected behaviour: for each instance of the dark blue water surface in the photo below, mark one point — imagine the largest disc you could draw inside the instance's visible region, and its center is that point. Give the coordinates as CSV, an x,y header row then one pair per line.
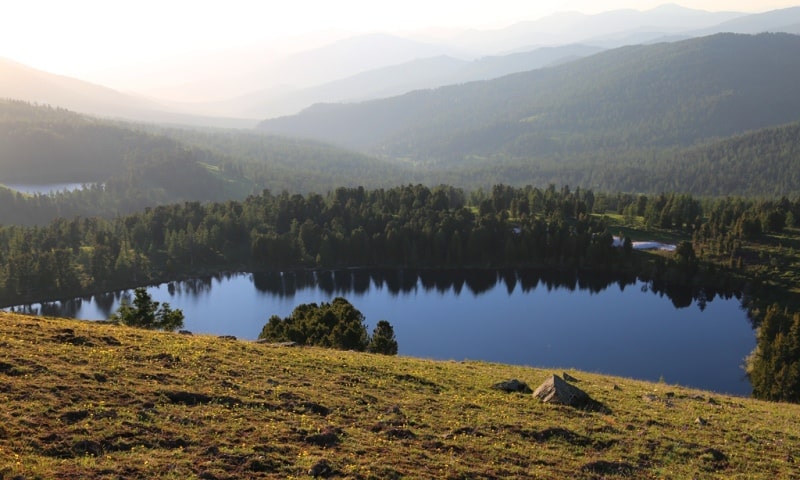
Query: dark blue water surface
x,y
613,327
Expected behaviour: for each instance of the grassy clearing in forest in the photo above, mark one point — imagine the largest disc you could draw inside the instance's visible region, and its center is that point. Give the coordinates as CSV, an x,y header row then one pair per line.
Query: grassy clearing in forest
x,y
90,400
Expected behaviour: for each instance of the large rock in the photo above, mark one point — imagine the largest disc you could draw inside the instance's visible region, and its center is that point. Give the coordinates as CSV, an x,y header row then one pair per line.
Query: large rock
x,y
556,390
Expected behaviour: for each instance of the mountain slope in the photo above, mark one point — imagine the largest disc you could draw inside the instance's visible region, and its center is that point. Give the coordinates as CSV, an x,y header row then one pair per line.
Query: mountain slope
x,y
140,166
782,20
755,164
399,79
572,27
658,96
20,82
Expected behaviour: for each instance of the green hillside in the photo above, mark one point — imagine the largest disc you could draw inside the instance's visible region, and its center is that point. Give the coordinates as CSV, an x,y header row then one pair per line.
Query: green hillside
x,y
85,400
138,166
761,163
631,98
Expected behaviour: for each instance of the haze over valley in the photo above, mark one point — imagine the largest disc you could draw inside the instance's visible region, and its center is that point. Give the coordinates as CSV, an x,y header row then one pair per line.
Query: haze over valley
x,y
268,74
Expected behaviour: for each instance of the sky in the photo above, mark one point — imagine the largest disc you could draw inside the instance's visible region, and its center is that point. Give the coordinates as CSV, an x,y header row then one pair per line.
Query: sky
x,y
76,37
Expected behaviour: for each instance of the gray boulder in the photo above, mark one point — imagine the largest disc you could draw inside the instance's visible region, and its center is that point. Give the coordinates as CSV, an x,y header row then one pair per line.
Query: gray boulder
x,y
556,390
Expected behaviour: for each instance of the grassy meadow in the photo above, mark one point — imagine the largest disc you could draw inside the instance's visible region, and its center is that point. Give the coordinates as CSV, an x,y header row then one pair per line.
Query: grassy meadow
x,y
93,400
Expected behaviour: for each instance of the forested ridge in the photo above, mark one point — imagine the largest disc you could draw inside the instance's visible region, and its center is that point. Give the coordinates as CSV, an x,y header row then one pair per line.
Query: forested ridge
x,y
762,163
631,99
129,167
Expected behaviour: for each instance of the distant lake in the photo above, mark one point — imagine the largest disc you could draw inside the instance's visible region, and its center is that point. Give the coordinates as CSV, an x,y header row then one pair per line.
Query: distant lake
x,y
45,189
623,328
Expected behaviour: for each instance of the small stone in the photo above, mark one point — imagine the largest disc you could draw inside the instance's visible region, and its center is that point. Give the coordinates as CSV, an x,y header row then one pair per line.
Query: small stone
x,y
616,387
701,421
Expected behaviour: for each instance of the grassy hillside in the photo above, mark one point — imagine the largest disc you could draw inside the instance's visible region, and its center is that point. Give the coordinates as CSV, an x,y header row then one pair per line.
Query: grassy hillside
x,y
85,400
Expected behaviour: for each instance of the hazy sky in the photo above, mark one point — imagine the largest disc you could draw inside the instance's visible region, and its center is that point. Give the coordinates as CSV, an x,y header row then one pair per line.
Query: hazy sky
x,y
78,36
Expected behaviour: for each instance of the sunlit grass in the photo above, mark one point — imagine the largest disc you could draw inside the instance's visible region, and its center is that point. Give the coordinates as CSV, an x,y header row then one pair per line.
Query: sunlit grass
x,y
90,400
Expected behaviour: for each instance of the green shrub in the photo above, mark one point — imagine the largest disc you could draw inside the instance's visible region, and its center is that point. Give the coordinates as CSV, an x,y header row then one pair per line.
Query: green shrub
x,y
145,313
337,324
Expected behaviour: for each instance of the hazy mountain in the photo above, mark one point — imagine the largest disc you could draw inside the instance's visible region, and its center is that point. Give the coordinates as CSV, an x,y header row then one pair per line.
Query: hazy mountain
x,y
784,20
344,58
655,96
257,82
490,67
381,82
246,74
20,82
572,27
398,79
24,83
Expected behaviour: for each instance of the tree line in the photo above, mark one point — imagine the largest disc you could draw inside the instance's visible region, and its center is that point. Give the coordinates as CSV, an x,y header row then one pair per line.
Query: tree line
x,y
411,225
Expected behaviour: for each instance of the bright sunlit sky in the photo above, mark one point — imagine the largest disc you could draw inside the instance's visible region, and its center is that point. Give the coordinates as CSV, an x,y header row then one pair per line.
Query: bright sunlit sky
x,y
74,37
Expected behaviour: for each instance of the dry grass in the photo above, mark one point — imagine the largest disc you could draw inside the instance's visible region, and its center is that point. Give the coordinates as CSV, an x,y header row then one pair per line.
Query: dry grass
x,y
87,400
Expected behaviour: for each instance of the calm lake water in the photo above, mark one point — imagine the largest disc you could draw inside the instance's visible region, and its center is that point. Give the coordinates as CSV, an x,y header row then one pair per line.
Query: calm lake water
x,y
526,318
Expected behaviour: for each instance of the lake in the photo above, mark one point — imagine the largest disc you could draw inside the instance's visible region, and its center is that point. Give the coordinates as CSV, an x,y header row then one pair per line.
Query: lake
x,y
617,327
45,189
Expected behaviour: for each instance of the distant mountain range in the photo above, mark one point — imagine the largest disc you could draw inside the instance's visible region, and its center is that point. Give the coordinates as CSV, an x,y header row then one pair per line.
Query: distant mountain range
x,y
256,83
382,65
647,96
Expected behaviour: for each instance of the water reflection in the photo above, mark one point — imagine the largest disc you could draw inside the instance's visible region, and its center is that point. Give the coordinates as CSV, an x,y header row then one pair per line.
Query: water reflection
x,y
478,282
401,282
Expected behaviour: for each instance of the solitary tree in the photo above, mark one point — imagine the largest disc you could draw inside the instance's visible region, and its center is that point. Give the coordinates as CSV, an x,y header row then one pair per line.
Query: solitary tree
x,y
146,313
383,340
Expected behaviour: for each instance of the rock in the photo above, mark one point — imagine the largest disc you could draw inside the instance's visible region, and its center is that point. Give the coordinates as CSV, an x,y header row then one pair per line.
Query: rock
x,y
556,390
184,332
513,385
701,421
227,337
616,388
